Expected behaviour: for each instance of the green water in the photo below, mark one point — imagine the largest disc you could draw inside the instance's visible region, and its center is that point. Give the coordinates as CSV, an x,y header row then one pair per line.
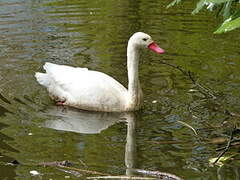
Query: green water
x,y
94,34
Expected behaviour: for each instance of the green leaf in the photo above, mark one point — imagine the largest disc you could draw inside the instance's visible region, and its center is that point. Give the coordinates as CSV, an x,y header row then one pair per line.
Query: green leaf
x,y
227,10
173,3
217,1
200,5
228,25
236,14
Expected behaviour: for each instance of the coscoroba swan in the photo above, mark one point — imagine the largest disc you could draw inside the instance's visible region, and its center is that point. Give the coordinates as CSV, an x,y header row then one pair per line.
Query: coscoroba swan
x,y
96,91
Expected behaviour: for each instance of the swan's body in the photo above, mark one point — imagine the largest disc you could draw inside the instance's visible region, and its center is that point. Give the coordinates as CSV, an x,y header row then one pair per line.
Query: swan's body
x,y
82,88
93,90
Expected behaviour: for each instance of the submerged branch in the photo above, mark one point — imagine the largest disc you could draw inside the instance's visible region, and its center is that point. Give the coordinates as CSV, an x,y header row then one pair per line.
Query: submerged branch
x,y
121,177
158,174
65,165
201,88
84,171
204,90
74,171
234,142
168,142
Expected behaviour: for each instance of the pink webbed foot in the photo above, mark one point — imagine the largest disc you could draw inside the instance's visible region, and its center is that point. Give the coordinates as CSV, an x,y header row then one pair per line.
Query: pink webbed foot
x,y
60,103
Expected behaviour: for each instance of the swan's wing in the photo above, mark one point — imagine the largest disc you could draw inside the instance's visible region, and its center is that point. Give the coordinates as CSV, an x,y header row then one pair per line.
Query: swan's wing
x,y
58,79
82,88
62,74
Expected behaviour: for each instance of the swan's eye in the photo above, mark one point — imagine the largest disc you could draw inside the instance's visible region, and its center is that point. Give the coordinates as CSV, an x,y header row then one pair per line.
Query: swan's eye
x,y
145,39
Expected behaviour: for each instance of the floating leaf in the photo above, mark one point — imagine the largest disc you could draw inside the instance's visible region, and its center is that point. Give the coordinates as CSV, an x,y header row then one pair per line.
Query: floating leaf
x,y
221,160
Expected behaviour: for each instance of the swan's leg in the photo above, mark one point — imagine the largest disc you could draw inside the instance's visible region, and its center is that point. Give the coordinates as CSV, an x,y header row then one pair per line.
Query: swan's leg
x,y
60,101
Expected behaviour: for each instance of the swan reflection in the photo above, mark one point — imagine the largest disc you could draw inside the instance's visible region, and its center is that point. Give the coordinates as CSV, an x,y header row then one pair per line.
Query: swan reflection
x,y
86,122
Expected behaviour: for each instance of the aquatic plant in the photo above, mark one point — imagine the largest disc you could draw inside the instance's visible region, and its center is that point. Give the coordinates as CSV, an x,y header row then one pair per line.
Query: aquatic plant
x,y
229,9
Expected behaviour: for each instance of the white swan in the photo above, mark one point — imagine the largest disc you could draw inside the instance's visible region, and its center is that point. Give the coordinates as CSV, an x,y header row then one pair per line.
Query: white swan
x,y
96,91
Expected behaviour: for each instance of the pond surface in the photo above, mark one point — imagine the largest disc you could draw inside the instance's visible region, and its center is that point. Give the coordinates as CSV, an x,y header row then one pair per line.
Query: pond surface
x,y
94,34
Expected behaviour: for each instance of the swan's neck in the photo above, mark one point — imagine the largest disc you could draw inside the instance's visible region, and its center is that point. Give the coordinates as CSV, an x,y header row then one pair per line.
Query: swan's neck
x,y
134,89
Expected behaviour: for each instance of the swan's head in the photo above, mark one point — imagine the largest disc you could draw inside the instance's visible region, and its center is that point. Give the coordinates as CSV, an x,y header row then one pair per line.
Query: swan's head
x,y
143,40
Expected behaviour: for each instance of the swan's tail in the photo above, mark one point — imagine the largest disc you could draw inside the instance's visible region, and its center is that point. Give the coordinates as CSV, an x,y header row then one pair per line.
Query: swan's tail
x,y
42,79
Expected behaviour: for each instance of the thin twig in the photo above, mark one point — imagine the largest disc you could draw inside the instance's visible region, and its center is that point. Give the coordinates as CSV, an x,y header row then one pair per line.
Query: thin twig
x,y
121,177
84,171
83,163
231,145
168,142
158,174
207,90
75,173
177,67
203,90
187,125
227,147
64,164
231,113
